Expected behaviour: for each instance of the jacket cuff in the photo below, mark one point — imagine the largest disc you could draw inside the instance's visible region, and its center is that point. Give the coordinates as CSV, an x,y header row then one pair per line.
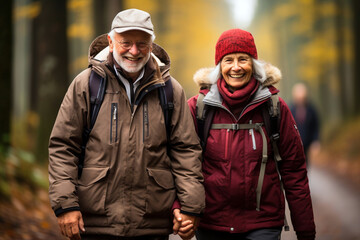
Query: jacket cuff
x,y
306,235
190,213
176,205
60,211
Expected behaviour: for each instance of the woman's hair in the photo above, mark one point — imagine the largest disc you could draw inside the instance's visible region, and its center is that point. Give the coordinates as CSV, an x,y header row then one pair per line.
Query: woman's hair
x,y
215,74
112,34
258,72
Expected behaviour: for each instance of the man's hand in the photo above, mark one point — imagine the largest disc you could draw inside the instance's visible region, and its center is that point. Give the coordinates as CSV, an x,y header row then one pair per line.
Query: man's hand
x,y
70,224
184,225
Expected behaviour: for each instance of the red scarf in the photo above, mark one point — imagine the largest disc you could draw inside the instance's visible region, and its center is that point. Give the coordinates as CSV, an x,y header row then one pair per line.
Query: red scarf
x,y
236,101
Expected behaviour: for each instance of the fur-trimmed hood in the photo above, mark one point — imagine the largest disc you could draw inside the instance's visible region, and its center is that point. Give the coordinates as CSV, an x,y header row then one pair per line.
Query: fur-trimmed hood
x,y
273,76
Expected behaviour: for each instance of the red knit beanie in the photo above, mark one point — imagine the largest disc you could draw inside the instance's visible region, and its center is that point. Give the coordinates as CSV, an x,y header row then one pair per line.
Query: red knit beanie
x,y
234,41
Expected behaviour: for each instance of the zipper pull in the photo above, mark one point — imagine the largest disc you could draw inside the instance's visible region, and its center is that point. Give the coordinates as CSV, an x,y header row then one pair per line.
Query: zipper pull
x,y
251,132
250,122
114,114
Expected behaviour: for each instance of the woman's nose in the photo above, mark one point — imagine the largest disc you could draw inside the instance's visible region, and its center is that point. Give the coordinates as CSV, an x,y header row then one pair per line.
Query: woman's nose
x,y
236,66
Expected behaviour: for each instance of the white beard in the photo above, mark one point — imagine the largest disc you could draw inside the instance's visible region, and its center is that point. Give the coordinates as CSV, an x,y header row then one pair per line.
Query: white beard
x,y
128,66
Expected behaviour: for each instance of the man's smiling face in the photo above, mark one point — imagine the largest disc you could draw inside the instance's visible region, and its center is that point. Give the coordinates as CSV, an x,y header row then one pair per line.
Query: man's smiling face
x,y
131,50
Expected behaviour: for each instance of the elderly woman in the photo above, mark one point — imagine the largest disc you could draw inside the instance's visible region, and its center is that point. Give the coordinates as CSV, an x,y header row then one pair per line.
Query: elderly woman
x,y
241,167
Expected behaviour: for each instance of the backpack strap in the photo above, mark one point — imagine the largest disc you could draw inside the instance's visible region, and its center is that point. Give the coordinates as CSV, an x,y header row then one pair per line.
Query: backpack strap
x,y
166,96
257,127
204,117
97,85
271,116
274,112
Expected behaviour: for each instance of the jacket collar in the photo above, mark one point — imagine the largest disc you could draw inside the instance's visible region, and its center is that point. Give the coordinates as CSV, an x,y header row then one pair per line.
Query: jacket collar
x,y
214,98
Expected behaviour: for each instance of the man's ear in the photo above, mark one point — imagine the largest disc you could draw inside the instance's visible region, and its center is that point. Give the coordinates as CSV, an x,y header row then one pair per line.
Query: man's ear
x,y
111,44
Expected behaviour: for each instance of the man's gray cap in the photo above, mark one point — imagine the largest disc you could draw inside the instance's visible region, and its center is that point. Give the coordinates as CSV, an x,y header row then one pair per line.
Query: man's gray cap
x,y
133,19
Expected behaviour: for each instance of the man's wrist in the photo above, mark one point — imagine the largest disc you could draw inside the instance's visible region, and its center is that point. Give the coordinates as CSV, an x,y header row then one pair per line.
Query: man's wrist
x,y
60,211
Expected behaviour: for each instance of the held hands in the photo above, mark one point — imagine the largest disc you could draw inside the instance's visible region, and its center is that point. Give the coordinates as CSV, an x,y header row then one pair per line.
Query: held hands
x,y
71,223
184,225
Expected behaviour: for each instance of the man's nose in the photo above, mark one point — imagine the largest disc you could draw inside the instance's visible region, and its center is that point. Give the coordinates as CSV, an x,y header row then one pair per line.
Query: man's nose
x,y
134,49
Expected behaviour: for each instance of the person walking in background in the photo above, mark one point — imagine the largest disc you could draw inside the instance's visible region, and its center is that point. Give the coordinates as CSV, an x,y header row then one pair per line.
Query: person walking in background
x,y
241,165
134,166
306,119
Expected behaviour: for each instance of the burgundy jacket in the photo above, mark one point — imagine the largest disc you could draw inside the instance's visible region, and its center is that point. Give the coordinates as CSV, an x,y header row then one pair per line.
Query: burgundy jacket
x,y
231,165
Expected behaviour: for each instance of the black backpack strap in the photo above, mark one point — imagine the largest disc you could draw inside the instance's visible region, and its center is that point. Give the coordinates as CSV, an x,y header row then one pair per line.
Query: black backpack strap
x,y
204,117
166,96
271,116
97,85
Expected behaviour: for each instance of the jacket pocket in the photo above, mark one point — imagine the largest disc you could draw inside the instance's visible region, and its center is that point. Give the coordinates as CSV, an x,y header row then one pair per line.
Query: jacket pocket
x,y
114,123
217,147
160,192
92,188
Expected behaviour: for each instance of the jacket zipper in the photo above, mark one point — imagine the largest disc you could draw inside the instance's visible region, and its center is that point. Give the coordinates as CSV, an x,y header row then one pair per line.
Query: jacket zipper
x,y
227,143
251,132
146,121
114,122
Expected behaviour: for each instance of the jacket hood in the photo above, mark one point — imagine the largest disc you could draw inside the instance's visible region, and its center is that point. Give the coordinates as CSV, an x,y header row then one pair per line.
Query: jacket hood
x,y
99,51
273,76
213,97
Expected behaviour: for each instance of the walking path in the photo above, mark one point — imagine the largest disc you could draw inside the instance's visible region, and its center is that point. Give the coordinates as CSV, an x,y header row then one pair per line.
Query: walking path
x,y
336,208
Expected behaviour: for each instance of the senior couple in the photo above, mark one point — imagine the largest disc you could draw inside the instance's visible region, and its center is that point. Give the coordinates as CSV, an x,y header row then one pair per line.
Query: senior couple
x,y
142,180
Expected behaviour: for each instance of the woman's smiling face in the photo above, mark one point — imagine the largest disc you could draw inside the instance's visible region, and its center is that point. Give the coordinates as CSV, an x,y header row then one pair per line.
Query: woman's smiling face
x,y
236,69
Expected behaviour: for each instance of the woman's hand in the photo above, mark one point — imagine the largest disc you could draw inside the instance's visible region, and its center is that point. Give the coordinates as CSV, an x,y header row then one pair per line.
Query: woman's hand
x,y
184,225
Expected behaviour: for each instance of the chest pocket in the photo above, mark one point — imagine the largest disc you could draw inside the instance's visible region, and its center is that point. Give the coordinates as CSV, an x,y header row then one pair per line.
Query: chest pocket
x,y
218,145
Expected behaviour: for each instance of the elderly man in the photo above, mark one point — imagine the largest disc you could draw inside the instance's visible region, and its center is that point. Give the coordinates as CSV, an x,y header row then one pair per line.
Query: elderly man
x,y
133,166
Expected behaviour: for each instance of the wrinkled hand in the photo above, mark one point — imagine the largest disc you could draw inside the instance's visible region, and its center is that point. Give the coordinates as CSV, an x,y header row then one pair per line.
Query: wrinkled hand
x,y
70,224
185,225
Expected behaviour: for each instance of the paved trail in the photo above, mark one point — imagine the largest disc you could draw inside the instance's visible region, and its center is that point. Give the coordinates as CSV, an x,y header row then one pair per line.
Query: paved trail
x,y
336,208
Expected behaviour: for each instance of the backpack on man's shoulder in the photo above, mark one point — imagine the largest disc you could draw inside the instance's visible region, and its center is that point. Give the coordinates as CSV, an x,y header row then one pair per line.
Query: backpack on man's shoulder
x,y
97,86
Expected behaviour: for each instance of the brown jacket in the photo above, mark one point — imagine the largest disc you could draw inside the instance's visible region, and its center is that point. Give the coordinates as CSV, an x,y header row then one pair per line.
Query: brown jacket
x,y
129,183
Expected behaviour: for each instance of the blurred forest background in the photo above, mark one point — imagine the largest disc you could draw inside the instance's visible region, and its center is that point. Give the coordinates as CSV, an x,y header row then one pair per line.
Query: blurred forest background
x,y
44,44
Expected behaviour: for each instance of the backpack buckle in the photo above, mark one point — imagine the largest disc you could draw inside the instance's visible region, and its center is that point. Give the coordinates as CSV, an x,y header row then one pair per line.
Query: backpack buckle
x,y
275,136
235,126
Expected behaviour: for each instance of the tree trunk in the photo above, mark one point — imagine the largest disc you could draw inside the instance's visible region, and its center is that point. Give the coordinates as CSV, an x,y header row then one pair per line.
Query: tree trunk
x,y
5,70
105,11
356,27
50,64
